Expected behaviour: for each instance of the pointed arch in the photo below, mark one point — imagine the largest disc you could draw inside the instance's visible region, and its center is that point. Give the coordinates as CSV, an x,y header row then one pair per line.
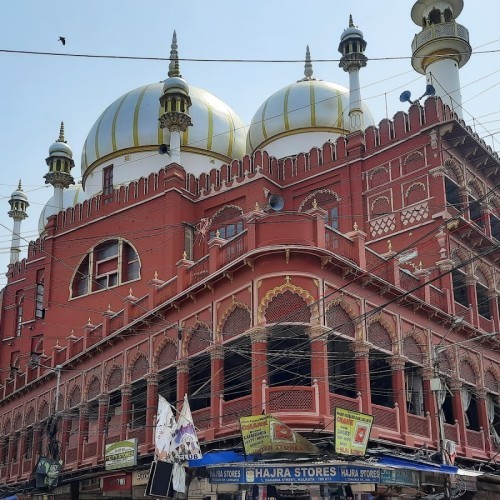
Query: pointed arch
x,y
165,354
114,378
74,397
454,171
468,370
93,388
380,334
339,316
323,197
30,416
236,320
139,367
198,339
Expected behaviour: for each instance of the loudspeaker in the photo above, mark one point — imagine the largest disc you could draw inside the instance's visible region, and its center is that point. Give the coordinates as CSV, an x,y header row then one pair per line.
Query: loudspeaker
x,y
163,149
160,480
276,202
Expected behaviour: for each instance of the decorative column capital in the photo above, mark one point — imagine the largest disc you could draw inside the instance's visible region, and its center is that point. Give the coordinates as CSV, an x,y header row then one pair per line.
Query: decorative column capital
x,y
317,332
216,351
152,378
360,348
84,408
182,366
397,362
455,384
258,334
428,372
103,399
471,280
126,390
481,392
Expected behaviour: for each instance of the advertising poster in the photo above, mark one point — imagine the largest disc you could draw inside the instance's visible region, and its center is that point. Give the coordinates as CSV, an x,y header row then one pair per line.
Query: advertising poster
x,y
266,434
352,431
121,454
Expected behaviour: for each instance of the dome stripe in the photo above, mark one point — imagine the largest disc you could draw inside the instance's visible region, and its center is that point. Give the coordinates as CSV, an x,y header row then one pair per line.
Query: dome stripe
x,y
96,144
340,111
231,134
285,108
312,101
113,126
136,115
210,133
263,120
160,130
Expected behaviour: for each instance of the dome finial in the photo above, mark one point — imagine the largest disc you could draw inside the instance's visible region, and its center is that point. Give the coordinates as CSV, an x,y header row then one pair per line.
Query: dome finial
x,y
173,67
351,23
19,187
308,69
61,133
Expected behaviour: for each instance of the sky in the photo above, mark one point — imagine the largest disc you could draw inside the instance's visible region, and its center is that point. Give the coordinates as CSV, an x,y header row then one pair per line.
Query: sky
x,y
39,91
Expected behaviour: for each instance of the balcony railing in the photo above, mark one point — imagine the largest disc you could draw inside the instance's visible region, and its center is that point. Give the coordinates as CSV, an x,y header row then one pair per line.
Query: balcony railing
x,y
441,30
233,410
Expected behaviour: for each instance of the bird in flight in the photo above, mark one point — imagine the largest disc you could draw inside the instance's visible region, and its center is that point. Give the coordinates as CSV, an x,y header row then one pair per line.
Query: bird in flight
x,y
62,39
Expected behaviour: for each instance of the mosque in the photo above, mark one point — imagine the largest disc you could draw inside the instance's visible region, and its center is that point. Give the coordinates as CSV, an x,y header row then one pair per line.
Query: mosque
x,y
317,259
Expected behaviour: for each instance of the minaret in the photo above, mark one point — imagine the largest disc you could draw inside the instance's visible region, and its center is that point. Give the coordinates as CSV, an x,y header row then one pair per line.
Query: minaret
x,y
352,47
60,162
18,205
175,103
441,48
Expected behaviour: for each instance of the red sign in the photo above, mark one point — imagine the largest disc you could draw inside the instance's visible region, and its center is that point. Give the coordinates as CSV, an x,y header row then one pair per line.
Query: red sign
x,y
117,482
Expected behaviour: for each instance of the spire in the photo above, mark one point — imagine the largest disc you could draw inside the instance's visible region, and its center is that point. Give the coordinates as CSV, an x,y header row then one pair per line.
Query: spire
x,y
308,69
173,67
351,24
61,133
19,187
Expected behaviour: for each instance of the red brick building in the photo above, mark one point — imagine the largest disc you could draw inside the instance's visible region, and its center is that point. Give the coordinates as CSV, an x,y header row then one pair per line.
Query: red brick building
x,y
257,277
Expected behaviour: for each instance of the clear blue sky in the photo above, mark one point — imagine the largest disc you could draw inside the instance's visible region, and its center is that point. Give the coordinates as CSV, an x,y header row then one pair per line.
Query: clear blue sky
x,y
40,91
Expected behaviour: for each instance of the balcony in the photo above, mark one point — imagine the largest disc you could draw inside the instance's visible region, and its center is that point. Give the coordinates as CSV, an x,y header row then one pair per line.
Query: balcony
x,y
440,31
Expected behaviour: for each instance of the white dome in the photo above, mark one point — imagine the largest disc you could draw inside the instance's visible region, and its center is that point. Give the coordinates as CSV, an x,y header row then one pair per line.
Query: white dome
x,y
314,109
131,124
71,197
62,149
19,194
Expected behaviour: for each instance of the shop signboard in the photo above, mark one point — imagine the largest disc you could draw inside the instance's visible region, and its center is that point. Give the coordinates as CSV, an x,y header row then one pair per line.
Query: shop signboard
x,y
117,482
402,477
121,454
302,474
263,434
140,477
352,431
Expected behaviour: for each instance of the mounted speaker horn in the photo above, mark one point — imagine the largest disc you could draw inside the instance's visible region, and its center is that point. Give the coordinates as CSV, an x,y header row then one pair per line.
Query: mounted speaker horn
x,y
429,90
164,149
405,96
276,202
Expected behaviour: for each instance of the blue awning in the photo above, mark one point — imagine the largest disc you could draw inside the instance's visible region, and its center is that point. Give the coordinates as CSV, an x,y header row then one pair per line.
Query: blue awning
x,y
417,465
221,457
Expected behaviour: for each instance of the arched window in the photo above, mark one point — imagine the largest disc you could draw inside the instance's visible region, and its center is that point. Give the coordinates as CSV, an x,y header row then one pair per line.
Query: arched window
x,y
19,312
110,263
453,197
228,222
237,368
483,299
459,282
341,367
380,367
327,200
199,386
413,377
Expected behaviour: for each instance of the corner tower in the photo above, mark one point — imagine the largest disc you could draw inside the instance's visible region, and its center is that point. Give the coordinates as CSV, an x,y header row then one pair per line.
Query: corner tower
x,y
352,47
60,162
18,204
175,103
441,48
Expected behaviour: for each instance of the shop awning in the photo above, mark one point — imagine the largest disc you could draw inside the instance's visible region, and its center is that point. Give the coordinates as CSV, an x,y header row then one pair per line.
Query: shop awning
x,y
417,465
221,457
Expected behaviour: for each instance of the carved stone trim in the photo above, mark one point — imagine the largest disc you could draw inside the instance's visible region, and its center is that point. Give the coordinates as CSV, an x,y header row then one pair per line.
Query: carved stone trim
x,y
216,352
397,362
182,366
318,332
258,334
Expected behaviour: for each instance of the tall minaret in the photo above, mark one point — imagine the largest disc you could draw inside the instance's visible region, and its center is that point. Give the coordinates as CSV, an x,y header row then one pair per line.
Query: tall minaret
x,y
60,162
441,48
352,46
18,205
175,103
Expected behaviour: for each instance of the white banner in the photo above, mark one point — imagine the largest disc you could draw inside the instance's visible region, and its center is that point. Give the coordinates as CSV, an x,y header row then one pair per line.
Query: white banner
x,y
185,445
165,427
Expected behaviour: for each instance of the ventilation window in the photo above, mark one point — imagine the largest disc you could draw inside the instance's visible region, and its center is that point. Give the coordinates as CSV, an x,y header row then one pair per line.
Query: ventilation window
x,y
107,184
109,264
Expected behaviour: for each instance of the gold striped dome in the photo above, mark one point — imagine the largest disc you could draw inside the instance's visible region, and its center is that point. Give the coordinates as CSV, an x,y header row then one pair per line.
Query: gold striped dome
x,y
131,124
304,107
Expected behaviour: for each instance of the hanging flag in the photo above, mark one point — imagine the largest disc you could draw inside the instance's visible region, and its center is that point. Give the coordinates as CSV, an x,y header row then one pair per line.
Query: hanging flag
x,y
185,445
179,478
266,434
165,427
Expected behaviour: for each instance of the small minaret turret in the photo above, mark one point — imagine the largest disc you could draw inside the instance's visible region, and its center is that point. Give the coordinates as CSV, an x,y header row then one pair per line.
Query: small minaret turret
x,y
18,205
441,48
352,47
175,103
60,162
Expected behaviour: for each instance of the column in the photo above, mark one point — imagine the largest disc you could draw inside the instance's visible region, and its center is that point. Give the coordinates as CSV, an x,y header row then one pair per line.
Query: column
x,y
126,392
37,441
458,409
182,381
430,404
102,424
361,350
470,281
152,406
83,429
482,412
258,337
397,363
217,385
65,430
319,366
495,313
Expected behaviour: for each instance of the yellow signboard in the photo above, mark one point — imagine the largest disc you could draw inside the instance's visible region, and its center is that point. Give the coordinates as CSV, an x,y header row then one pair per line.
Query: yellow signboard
x,y
264,434
352,431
